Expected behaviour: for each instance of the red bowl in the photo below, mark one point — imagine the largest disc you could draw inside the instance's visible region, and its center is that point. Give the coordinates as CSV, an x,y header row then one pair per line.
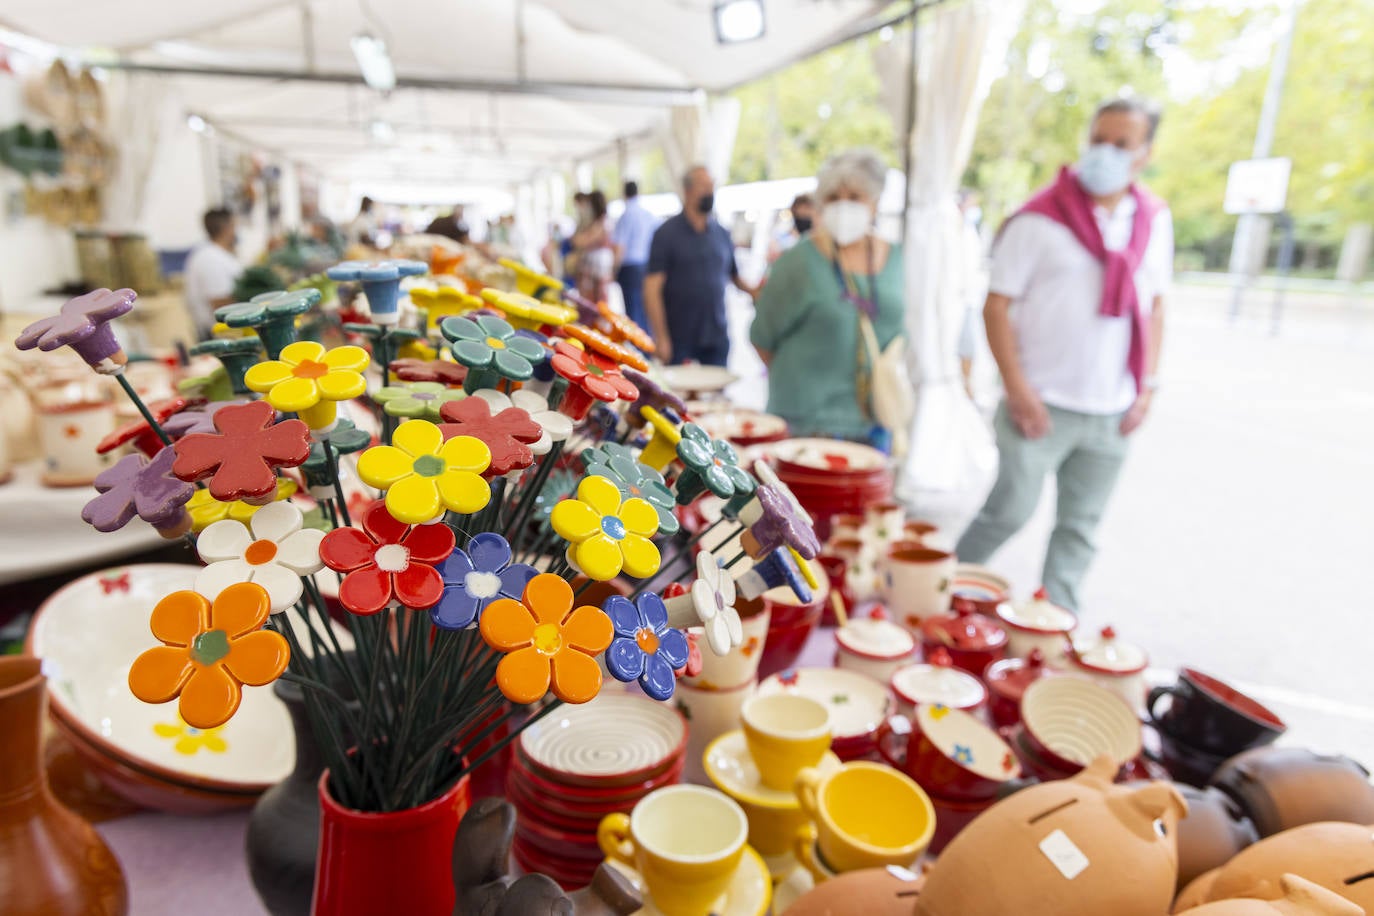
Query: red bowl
x,y
583,808
558,844
537,780
783,646
527,805
570,877
628,781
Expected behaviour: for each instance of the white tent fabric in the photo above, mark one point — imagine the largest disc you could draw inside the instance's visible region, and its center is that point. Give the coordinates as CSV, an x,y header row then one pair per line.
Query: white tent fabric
x,y
961,48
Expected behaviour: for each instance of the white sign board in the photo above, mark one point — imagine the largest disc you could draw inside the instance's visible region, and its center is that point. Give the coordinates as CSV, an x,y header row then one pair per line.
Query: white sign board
x,y
1257,185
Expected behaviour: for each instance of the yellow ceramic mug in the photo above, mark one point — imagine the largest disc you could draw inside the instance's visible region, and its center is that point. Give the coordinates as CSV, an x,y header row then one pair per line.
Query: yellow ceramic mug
x,y
786,733
867,815
804,849
686,842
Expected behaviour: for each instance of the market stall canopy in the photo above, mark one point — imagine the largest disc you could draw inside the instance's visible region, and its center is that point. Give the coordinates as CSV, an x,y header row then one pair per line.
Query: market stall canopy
x,y
495,88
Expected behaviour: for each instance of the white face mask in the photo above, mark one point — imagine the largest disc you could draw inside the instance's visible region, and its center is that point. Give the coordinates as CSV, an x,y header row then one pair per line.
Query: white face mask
x,y
1105,169
847,221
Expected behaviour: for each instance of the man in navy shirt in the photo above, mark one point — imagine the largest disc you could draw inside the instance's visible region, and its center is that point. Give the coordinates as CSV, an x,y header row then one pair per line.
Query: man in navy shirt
x,y
691,260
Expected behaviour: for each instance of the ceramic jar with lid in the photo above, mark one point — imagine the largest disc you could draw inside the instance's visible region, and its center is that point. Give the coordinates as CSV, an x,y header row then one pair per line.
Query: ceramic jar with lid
x,y
936,681
1037,624
972,640
1114,664
1007,681
873,645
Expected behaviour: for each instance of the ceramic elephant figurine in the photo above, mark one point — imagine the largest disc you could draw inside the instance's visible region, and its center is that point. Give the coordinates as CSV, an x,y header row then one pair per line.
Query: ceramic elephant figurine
x,y
1300,898
482,879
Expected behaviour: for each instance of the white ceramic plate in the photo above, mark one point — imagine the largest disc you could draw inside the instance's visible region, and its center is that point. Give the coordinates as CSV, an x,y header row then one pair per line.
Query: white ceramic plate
x,y
88,634
964,739
616,735
742,424
731,768
687,380
858,704
830,455
749,894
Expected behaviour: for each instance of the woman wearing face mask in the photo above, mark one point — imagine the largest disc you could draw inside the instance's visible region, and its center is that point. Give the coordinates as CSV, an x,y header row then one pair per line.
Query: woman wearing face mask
x,y
593,250
808,326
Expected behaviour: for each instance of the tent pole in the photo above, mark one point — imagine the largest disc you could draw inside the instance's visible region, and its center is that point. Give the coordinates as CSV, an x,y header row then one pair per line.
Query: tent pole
x,y
909,125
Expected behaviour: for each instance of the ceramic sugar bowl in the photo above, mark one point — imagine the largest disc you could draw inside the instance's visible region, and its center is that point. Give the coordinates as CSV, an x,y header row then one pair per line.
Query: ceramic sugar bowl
x,y
1037,624
72,419
936,681
972,640
1114,664
1007,681
873,645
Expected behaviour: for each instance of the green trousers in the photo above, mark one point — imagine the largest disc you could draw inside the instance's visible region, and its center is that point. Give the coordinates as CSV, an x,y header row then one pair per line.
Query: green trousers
x,y
1084,452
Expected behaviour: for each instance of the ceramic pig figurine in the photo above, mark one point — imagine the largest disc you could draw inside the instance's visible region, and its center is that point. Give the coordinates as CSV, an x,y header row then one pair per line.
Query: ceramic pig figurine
x,y
1075,847
481,875
1300,898
870,891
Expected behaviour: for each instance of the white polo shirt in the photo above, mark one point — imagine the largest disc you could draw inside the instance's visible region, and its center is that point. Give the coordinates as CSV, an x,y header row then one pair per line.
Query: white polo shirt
x,y
1073,356
210,274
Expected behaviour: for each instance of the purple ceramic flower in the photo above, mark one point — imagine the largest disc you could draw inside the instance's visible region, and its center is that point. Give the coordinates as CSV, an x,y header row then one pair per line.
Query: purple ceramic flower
x,y
587,312
196,420
137,486
651,394
475,578
776,524
83,325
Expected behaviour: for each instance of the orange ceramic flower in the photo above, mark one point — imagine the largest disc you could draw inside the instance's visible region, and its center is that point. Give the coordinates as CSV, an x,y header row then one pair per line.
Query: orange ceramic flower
x,y
599,343
624,329
209,652
548,643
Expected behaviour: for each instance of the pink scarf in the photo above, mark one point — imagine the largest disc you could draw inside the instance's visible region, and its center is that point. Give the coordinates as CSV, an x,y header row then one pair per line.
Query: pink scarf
x,y
1068,204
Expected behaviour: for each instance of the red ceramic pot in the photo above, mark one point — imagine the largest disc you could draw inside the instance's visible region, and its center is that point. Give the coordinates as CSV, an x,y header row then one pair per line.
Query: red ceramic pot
x,y
394,862
789,627
973,641
1007,681
949,753
977,590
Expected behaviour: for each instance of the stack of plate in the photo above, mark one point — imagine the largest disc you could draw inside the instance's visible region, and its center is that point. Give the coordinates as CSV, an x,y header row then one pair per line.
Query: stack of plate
x,y
832,477
575,766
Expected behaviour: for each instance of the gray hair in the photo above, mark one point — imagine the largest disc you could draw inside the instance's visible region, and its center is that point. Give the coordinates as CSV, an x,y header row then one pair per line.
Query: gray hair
x,y
1133,105
857,169
687,175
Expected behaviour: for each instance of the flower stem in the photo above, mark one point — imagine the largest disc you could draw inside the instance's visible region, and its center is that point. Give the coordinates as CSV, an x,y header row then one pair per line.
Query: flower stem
x,y
333,460
142,408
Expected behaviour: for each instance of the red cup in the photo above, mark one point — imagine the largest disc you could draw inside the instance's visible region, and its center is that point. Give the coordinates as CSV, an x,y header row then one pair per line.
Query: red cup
x,y
949,753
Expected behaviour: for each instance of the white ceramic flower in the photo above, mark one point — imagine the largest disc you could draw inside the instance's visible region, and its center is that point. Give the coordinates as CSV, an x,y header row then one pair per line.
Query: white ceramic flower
x,y
713,596
556,427
274,552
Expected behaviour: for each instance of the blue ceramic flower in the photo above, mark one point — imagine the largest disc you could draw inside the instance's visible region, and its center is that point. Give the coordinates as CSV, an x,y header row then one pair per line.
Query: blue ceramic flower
x,y
709,464
617,463
381,282
777,568
644,647
475,578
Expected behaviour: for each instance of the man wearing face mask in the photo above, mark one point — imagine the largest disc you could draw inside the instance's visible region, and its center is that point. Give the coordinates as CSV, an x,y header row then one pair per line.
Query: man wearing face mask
x,y
691,260
1075,320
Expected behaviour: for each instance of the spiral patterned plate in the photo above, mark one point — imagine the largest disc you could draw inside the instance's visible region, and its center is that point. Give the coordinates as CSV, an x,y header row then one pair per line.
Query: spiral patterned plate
x,y
616,739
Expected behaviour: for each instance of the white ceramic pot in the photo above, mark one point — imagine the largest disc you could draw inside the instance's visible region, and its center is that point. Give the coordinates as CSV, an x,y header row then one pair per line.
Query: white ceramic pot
x,y
1038,624
873,646
740,665
915,584
68,433
1113,664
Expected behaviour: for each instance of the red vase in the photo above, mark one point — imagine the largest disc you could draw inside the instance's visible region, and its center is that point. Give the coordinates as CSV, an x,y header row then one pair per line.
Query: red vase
x,y
394,862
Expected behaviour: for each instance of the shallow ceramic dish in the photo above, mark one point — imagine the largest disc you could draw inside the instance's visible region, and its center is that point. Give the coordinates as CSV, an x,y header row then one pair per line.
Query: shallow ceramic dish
x,y
617,739
730,767
750,892
88,634
688,380
857,703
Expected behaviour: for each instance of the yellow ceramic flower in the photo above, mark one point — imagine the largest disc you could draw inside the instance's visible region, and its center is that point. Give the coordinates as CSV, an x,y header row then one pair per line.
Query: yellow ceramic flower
x,y
222,330
441,303
661,449
607,535
532,283
417,349
191,740
527,313
309,380
206,510
423,475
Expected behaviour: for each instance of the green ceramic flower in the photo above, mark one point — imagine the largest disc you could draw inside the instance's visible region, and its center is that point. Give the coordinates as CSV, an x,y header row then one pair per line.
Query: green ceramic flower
x,y
617,464
344,439
237,355
710,464
420,400
273,315
491,349
212,387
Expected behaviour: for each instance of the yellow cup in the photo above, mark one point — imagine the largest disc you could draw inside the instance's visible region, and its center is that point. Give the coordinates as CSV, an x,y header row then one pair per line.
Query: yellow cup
x,y
867,815
786,733
686,842
804,849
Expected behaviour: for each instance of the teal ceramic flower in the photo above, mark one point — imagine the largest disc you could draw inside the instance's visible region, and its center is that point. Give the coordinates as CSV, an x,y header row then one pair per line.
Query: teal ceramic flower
x,y
710,464
345,439
273,315
617,463
491,349
415,399
236,355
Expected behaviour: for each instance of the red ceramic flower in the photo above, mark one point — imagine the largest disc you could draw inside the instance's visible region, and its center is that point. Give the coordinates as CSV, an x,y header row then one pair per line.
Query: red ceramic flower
x,y
244,455
591,377
387,561
428,370
508,433
140,433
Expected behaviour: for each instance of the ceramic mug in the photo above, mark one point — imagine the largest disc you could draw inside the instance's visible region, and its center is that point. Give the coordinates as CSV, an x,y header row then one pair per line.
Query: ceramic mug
x,y
68,434
685,841
949,753
1212,716
867,815
786,733
915,583
741,664
804,851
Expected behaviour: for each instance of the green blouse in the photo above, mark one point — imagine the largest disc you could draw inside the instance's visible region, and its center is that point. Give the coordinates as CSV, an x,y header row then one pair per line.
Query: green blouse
x,y
803,319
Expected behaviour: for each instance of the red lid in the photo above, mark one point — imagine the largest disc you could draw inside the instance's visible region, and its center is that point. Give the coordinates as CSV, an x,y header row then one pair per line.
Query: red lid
x,y
964,630
1010,677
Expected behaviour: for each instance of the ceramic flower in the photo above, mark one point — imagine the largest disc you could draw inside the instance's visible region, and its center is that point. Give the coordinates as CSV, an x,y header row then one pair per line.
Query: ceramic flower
x,y
554,426
242,458
777,525
273,549
711,603
189,740
345,439
664,436
273,315
209,652
416,370
635,480
507,434
780,567
651,394
139,486
381,281
387,561
309,380
623,329
442,303
591,378
561,485
491,350
645,648
606,533
423,475
476,577
84,325
530,282
196,419
709,464
140,433
214,386
598,343
236,357
765,474
547,643
205,510
417,400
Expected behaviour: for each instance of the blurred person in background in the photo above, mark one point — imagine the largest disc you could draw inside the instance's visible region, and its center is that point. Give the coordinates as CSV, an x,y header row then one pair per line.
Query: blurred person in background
x,y
807,322
1075,320
582,212
450,226
363,228
633,234
593,251
691,260
803,214
212,270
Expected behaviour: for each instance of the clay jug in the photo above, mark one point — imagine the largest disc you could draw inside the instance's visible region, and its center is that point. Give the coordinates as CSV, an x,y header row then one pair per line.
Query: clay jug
x,y
52,863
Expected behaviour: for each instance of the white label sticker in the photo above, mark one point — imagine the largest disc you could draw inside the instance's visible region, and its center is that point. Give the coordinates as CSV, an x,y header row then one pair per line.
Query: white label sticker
x,y
1067,857
901,874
